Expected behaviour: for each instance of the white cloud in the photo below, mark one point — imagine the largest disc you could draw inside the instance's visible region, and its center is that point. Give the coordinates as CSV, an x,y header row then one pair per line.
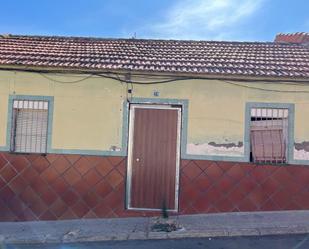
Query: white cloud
x,y
203,19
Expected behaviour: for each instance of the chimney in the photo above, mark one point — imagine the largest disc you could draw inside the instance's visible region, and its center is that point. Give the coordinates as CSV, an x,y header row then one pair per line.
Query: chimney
x,y
295,38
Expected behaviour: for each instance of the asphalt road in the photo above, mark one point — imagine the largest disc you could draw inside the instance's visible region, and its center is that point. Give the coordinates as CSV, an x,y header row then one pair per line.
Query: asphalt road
x,y
254,242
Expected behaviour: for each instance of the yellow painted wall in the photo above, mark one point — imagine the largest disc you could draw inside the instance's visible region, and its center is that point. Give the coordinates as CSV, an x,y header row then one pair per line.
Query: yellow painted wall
x,y
88,114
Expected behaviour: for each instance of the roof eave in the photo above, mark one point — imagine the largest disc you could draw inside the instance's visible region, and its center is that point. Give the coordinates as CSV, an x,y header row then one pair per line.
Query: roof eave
x,y
235,77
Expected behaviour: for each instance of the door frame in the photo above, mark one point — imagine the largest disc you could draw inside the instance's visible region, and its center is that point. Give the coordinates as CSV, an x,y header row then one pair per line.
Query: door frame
x,y
132,108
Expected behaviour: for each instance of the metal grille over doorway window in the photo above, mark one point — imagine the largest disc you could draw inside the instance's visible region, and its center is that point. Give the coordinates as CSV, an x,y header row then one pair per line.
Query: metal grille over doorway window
x,y
269,135
29,126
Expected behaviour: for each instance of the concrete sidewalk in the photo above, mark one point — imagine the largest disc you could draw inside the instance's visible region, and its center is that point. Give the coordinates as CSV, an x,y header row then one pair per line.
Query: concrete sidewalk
x,y
208,225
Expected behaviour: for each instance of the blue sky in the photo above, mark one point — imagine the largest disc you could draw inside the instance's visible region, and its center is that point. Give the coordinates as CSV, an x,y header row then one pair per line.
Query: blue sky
x,y
244,20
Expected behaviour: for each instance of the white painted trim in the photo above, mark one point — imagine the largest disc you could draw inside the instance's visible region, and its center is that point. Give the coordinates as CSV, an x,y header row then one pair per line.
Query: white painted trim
x,y
151,209
130,151
178,158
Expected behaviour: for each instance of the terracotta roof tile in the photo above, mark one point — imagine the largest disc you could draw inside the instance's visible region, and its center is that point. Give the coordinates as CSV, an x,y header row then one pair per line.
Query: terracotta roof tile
x,y
299,38
169,56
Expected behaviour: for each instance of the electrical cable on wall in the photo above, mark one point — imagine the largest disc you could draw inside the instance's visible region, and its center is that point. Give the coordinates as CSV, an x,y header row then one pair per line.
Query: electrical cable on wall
x,y
190,78
67,82
117,77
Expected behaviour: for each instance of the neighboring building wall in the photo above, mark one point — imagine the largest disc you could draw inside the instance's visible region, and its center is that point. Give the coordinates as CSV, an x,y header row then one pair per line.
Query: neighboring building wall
x,y
53,187
89,116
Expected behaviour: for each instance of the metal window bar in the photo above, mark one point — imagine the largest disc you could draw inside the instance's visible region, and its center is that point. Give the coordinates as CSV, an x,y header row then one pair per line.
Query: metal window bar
x,y
269,135
29,126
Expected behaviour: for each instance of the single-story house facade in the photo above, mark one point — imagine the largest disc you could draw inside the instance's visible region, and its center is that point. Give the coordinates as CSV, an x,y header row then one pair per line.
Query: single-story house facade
x,y
93,128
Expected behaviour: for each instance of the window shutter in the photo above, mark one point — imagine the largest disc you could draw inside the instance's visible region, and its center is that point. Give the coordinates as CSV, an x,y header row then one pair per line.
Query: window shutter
x,y
268,144
30,126
269,134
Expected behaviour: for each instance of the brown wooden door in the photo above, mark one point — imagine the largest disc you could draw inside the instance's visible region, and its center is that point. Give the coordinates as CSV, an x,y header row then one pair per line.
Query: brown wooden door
x,y
154,158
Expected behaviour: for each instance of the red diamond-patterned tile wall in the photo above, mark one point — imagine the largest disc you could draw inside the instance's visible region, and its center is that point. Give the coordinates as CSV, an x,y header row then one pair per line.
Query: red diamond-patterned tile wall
x,y
236,187
37,187
52,187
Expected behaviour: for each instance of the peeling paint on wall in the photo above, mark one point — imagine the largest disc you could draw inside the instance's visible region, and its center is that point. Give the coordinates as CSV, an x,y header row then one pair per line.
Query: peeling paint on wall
x,y
301,155
212,148
301,151
115,148
226,145
302,146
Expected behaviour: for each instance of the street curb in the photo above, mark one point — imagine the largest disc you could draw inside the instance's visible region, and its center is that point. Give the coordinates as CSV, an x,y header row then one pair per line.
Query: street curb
x,y
171,235
193,226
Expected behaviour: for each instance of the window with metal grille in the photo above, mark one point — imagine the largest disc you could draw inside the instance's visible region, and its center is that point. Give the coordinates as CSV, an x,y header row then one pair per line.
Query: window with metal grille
x,y
269,135
29,126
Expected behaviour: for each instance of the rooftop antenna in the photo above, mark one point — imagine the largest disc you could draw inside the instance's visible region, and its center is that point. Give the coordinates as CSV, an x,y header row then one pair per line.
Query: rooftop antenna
x,y
134,35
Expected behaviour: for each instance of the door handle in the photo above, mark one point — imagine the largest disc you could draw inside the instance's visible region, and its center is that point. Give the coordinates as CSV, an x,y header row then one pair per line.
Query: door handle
x,y
137,159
